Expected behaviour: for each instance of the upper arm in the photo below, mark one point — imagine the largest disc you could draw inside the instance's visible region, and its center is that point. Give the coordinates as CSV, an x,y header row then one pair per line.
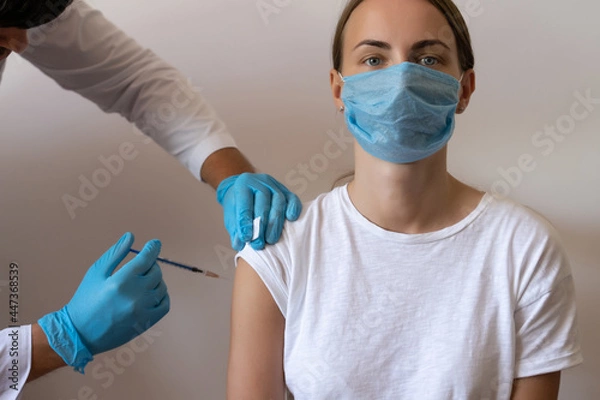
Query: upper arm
x,y
541,387
256,347
545,314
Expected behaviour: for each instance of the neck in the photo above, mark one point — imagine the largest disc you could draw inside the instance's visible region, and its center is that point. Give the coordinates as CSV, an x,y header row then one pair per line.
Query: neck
x,y
411,198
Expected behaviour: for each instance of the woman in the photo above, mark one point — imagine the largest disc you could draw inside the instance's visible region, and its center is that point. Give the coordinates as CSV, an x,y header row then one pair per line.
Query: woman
x,y
406,284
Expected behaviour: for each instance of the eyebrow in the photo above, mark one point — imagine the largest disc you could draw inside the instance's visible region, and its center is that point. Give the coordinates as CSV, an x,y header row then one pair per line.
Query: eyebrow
x,y
374,43
417,46
429,43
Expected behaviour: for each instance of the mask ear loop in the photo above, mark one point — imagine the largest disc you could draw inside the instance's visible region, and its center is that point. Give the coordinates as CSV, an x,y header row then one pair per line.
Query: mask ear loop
x,y
342,108
461,109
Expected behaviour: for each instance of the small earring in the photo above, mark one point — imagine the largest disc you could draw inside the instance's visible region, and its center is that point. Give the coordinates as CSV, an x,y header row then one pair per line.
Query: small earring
x,y
341,108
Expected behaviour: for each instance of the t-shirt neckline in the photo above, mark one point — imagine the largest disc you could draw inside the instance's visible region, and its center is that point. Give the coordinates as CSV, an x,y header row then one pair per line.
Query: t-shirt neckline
x,y
411,238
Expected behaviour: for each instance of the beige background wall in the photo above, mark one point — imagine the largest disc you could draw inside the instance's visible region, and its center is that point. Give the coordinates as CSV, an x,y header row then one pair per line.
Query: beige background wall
x,y
267,74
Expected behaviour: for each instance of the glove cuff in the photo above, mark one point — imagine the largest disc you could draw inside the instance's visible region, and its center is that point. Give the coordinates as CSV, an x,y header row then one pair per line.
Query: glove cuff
x,y
64,339
224,187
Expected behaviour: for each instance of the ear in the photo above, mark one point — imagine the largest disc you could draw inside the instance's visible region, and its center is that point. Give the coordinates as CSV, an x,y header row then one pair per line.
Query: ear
x,y
336,88
467,89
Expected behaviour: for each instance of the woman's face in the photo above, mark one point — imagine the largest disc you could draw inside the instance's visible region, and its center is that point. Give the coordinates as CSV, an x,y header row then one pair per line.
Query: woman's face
x,y
382,33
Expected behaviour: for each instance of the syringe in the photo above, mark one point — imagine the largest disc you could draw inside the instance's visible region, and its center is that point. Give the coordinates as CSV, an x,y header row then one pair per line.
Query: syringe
x,y
184,266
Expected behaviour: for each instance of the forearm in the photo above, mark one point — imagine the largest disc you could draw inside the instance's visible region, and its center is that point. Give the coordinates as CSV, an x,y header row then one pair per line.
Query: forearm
x,y
540,387
43,359
222,164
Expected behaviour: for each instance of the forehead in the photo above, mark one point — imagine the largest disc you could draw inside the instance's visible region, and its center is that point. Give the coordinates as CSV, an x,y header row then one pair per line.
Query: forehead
x,y
398,22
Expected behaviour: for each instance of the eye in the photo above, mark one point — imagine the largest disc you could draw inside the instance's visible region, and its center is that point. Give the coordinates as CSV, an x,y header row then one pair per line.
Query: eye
x,y
373,61
428,61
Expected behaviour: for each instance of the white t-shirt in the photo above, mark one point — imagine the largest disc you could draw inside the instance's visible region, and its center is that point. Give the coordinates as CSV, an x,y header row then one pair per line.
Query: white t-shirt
x,y
453,314
84,52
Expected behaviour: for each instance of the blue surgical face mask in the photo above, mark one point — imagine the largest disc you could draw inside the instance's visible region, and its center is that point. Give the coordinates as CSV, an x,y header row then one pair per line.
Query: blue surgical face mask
x,y
403,113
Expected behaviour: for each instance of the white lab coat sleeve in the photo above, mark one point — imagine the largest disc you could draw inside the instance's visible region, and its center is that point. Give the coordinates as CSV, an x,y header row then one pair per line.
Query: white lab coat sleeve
x,y
15,361
84,52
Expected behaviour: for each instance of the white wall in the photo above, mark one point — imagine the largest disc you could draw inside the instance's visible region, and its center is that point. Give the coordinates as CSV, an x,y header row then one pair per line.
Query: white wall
x,y
269,82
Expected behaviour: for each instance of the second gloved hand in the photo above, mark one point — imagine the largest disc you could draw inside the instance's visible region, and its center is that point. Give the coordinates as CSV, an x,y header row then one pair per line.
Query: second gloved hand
x,y
248,196
108,310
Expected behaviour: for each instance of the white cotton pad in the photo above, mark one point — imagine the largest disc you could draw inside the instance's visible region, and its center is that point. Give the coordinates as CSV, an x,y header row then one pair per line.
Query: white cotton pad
x,y
256,228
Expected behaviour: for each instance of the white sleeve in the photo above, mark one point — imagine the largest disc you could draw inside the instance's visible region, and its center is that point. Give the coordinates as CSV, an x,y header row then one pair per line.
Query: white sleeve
x,y
547,337
15,361
271,270
84,52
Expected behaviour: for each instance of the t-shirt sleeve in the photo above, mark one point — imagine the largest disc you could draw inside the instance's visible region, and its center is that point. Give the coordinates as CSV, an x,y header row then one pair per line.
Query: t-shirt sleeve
x,y
272,269
547,337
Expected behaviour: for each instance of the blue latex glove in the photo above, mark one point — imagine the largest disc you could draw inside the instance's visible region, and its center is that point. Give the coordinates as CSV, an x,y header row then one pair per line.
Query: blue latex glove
x,y
108,310
248,196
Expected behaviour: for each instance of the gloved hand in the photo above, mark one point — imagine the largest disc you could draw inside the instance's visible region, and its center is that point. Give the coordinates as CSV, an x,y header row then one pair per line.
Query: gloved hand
x,y
108,310
248,196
